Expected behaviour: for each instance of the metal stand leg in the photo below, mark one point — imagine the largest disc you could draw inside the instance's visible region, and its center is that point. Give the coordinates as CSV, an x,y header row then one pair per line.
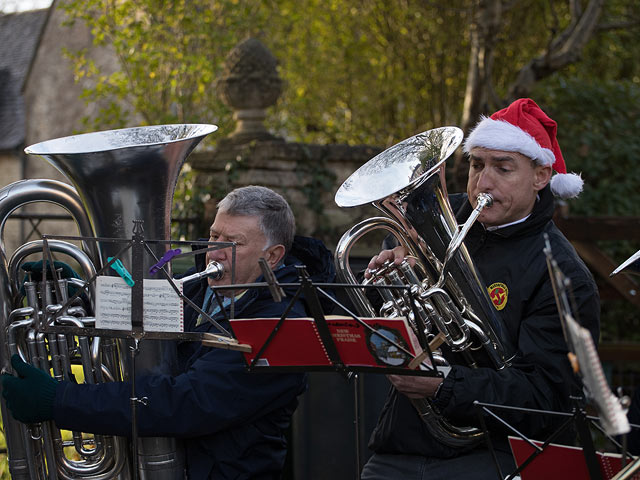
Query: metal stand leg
x,y
356,421
134,350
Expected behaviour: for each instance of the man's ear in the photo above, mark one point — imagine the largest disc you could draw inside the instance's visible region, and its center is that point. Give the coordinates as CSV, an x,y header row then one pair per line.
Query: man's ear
x,y
274,254
542,176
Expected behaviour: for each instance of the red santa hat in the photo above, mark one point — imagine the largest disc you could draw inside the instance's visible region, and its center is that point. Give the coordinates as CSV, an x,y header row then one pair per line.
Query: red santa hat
x,y
523,127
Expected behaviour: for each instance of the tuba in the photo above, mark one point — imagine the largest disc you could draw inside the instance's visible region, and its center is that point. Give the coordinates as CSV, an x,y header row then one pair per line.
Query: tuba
x,y
124,179
445,298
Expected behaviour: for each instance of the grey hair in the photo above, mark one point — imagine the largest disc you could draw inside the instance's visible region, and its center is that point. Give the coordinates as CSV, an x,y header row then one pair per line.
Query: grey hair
x,y
276,218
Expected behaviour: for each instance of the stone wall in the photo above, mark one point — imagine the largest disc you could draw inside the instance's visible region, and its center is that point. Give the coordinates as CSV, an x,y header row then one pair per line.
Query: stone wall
x,y
306,175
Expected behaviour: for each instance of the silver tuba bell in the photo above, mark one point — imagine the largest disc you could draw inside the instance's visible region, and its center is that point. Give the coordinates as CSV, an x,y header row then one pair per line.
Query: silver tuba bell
x,y
120,176
447,299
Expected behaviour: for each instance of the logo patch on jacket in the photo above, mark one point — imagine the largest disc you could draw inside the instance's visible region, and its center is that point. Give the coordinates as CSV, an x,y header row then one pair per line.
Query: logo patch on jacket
x,y
498,292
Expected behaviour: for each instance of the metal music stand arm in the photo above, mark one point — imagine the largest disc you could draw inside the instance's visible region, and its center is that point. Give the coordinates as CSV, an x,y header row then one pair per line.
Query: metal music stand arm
x,y
577,418
137,290
580,421
628,471
274,288
274,331
313,304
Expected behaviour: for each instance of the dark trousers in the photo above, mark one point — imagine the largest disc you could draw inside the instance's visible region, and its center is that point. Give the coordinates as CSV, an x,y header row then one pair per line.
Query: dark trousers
x,y
477,465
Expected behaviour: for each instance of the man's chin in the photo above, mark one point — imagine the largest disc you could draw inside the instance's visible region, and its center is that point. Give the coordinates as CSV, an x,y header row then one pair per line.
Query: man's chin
x,y
217,283
488,220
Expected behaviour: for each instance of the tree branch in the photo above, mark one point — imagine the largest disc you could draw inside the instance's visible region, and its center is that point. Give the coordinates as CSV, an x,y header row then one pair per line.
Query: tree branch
x,y
563,50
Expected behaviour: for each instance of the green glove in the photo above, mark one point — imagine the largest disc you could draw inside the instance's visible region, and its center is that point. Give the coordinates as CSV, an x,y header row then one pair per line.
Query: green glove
x,y
30,396
35,268
35,271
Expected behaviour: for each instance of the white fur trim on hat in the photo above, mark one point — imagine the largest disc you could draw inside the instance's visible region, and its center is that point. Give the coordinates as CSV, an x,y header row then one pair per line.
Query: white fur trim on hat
x,y
502,135
566,185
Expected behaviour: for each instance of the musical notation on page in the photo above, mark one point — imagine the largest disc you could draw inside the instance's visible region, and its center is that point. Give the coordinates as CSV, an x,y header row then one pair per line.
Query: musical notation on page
x,y
162,307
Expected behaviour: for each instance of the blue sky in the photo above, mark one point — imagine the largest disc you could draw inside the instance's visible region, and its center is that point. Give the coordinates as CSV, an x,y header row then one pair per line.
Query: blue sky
x,y
9,6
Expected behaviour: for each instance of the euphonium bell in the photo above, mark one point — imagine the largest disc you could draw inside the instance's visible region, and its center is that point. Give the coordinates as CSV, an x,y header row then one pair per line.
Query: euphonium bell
x,y
448,300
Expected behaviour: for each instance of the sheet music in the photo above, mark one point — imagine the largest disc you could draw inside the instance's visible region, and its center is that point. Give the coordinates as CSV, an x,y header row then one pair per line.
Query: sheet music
x,y
612,416
162,307
580,343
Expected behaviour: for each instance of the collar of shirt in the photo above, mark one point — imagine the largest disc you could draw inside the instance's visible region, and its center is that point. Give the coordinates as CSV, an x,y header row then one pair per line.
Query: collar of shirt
x,y
497,227
212,307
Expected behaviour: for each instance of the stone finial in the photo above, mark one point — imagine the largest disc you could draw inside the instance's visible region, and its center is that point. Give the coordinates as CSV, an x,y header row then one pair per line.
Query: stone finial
x,y
249,85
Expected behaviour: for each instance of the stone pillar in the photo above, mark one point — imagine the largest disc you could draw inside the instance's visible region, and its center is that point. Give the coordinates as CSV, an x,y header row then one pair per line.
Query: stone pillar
x,y
307,175
249,85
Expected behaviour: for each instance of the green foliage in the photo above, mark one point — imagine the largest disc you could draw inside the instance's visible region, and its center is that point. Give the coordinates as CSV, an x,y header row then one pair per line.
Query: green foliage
x,y
371,72
367,73
598,123
613,54
171,53
189,200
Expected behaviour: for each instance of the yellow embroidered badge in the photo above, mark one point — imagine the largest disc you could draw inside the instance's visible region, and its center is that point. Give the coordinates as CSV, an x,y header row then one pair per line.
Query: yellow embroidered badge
x,y
498,292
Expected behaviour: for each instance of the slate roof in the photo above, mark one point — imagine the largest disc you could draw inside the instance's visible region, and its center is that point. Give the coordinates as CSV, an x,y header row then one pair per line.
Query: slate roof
x,y
19,38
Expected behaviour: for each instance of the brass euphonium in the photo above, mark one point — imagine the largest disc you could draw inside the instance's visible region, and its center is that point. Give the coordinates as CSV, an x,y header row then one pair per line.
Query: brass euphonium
x,y
447,298
120,176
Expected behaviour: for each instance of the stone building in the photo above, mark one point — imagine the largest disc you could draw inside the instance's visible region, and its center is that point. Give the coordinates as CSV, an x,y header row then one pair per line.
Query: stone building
x,y
19,37
40,101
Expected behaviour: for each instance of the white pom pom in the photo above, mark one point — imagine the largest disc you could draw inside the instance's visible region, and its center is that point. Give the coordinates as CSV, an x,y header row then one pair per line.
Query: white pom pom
x,y
566,185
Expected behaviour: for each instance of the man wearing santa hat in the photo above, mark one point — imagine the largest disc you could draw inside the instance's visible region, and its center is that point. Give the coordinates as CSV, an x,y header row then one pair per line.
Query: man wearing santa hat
x,y
513,156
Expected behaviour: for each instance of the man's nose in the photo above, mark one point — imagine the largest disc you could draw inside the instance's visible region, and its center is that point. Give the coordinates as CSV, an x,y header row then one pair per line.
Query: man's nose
x,y
485,181
218,255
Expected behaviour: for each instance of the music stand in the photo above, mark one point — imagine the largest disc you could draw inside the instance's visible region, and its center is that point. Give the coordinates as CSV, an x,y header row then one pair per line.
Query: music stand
x,y
139,247
594,461
393,349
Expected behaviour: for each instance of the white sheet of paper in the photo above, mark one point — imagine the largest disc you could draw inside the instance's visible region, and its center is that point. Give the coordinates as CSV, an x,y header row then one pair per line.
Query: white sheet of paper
x,y
612,416
162,307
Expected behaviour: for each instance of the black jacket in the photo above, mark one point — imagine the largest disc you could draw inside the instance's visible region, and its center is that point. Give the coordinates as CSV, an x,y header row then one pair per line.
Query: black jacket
x,y
540,376
233,422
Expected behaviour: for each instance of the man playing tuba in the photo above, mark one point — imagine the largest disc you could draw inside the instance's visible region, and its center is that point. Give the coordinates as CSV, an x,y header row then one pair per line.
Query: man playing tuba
x,y
512,156
233,422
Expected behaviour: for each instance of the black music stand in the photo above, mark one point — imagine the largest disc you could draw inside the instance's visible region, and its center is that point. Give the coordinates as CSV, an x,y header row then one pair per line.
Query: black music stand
x,y
311,292
139,247
577,419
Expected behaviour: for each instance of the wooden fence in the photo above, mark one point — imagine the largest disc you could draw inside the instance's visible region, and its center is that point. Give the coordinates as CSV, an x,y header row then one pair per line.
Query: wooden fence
x,y
621,360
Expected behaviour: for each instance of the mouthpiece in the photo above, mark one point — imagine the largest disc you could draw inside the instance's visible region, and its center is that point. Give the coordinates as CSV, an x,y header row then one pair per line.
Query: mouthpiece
x,y
214,270
484,200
